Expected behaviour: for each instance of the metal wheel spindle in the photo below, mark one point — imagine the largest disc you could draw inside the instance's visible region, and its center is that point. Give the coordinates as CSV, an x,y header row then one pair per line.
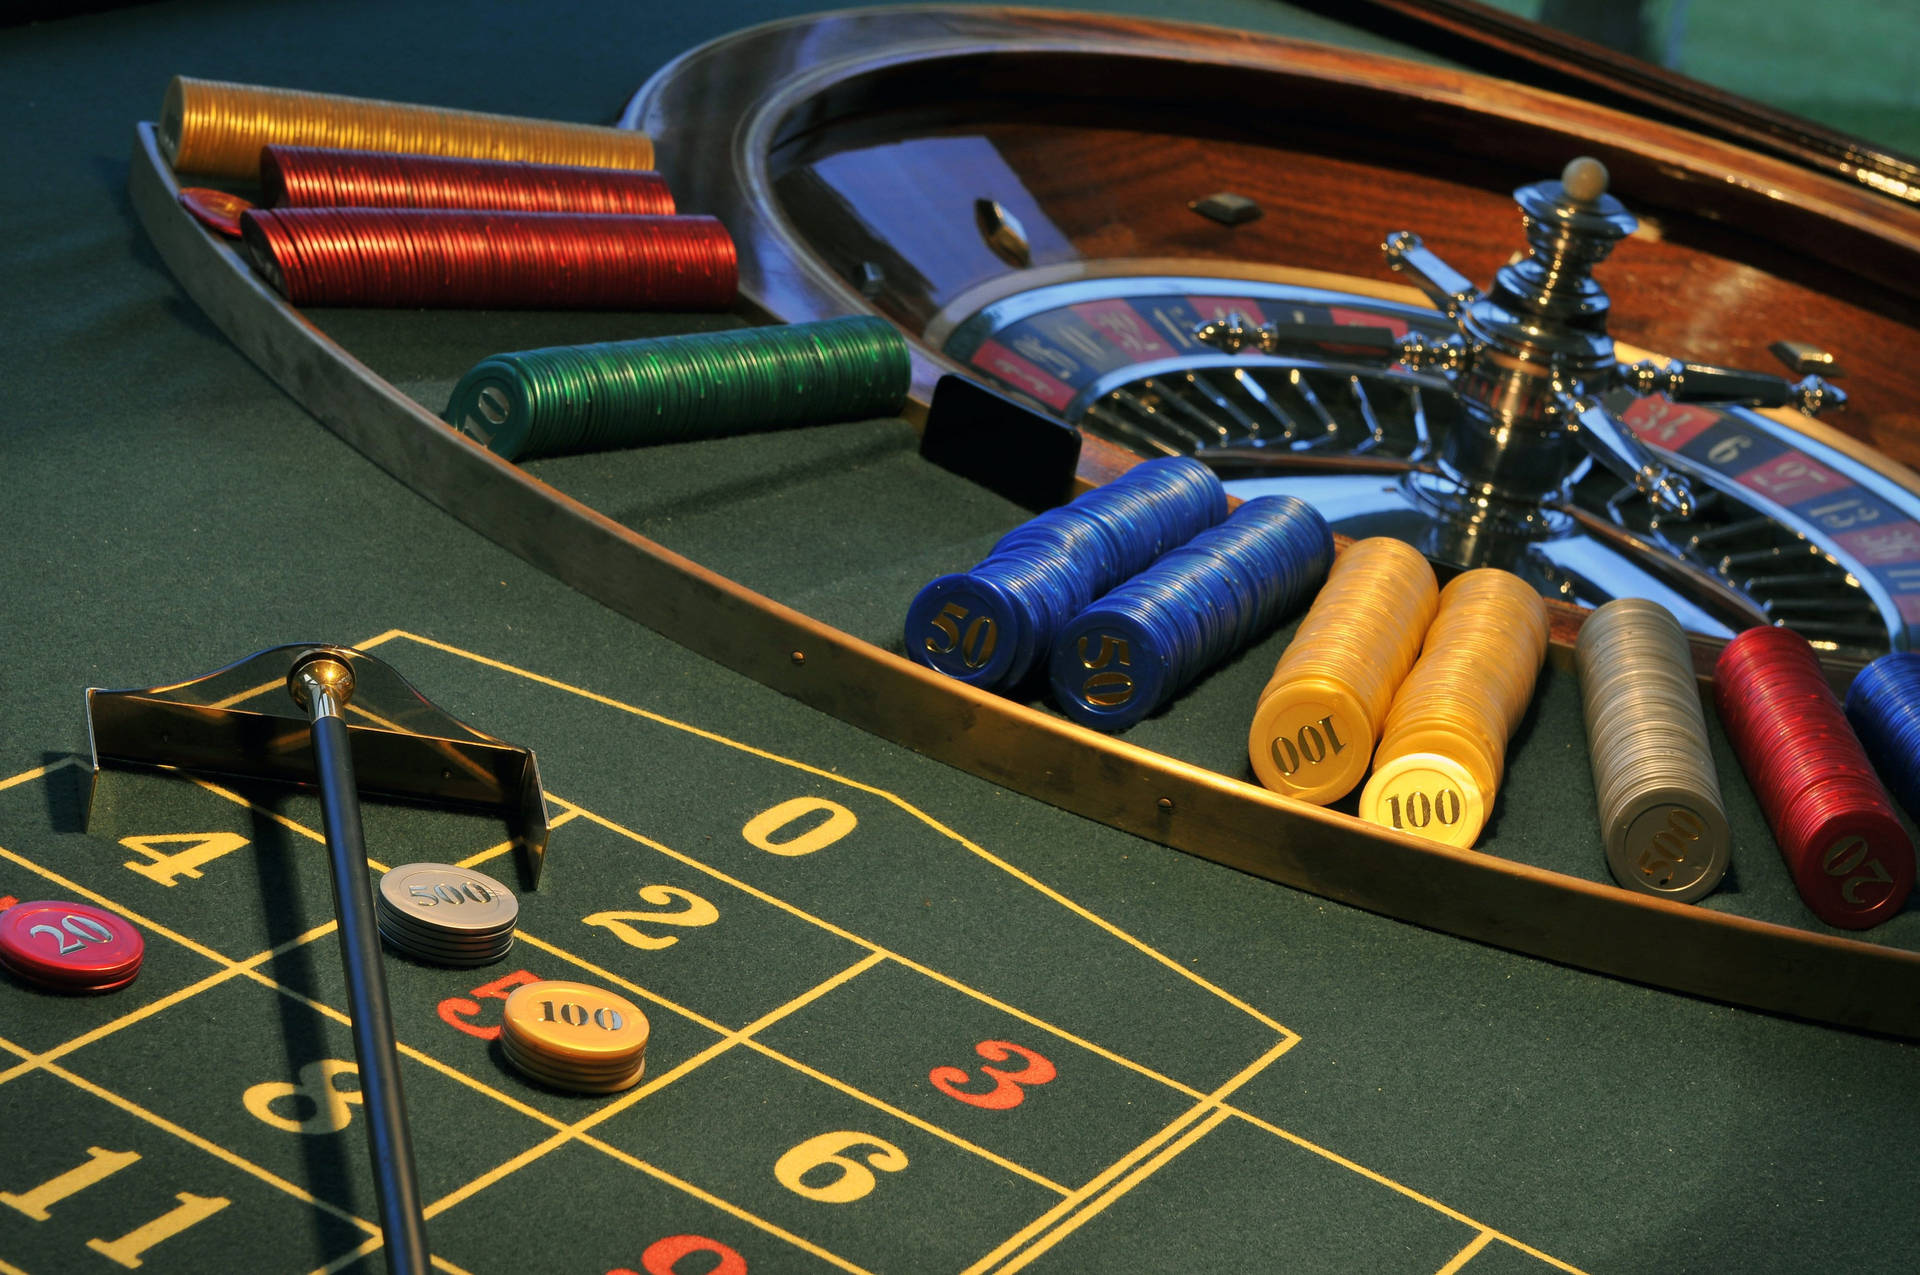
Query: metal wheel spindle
x,y
321,684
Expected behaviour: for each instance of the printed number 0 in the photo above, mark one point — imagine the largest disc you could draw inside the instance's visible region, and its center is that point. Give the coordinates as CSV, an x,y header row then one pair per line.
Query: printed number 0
x,y
975,646
839,822
1008,1090
853,1179
663,1257
1843,857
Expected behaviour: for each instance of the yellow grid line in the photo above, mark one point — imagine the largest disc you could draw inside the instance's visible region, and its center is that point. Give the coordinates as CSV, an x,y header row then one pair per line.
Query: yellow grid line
x,y
230,971
724,1205
1082,1216
1472,1250
1086,1190
212,1148
1217,1099
729,1036
565,1131
907,1117
1213,1104
578,1131
40,772
1383,1180
906,961
979,851
248,969
566,816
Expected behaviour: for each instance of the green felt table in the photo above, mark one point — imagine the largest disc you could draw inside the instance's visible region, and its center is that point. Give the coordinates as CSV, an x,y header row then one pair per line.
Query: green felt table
x,y
1207,1070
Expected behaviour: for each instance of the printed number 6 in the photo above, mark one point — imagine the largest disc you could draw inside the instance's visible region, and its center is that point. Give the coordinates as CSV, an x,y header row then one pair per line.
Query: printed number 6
x,y
852,1179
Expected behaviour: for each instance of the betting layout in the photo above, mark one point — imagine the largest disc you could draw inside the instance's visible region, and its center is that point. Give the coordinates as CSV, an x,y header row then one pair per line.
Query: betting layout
x,y
868,1042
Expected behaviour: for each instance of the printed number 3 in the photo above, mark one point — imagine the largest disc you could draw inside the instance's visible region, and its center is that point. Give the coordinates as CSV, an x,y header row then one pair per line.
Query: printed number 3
x,y
1009,1086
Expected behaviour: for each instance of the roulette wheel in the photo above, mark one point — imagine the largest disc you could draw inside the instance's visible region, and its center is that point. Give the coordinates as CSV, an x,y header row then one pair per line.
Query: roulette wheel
x,y
1171,238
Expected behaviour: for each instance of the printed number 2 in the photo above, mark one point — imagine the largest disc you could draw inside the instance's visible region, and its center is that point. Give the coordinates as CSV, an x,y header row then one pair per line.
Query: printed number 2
x,y
84,930
1009,1088
692,910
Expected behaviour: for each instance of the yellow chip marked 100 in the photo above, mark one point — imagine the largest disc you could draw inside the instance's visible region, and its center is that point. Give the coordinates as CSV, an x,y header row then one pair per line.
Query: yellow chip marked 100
x,y
1310,740
575,1022
1427,795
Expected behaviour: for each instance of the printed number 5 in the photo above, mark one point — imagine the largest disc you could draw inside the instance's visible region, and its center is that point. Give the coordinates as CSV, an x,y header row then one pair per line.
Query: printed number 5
x,y
1008,1090
975,645
458,1012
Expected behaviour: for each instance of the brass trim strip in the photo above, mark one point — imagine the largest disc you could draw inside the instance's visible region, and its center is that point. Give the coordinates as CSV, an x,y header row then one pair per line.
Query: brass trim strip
x,y
1586,924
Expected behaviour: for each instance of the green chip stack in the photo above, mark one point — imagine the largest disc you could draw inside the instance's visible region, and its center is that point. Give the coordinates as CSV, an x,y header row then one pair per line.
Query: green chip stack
x,y
671,389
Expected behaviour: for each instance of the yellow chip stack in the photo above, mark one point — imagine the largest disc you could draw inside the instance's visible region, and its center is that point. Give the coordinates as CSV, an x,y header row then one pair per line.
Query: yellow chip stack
x,y
1444,747
575,1036
217,128
1322,709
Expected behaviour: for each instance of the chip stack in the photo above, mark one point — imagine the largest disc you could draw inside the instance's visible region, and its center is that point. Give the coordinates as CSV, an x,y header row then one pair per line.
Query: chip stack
x,y
993,625
440,914
74,948
487,258
1850,859
575,1036
1132,650
319,177
1661,813
1883,704
548,402
1322,709
219,128
1443,749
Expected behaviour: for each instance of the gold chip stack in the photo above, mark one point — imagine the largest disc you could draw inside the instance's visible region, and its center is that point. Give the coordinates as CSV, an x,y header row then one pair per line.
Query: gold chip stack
x,y
217,128
1322,709
575,1036
1444,747
1661,812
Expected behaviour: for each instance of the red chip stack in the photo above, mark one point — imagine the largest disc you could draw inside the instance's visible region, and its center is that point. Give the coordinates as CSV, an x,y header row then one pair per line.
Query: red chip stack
x,y
317,177
1849,856
450,258
69,947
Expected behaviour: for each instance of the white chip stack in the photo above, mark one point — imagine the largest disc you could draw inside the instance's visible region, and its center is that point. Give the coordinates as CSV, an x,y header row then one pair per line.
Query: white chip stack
x,y
441,914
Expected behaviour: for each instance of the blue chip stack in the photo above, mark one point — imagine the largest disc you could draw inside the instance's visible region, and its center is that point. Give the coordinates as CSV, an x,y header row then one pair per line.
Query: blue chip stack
x,y
991,626
1883,706
1134,649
